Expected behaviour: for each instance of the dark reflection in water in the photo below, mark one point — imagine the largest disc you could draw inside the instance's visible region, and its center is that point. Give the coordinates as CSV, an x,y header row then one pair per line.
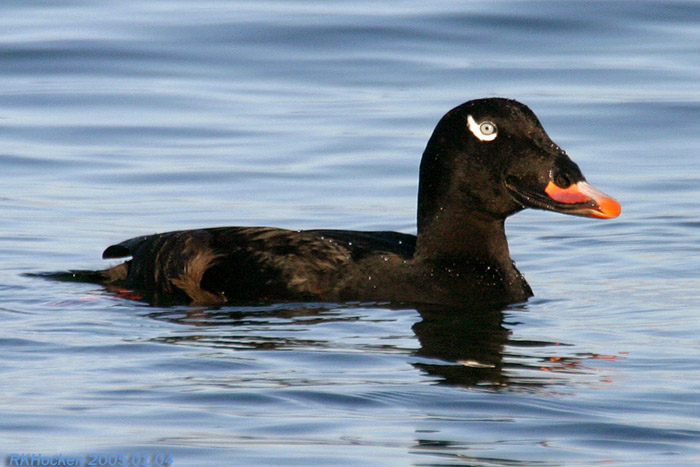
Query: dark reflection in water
x,y
468,348
476,348
469,344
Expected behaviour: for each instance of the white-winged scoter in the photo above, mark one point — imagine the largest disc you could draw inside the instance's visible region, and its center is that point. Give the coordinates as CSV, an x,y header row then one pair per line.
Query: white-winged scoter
x,y
486,160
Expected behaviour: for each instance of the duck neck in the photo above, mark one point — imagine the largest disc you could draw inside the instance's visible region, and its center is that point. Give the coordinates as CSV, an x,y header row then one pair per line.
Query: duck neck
x,y
464,238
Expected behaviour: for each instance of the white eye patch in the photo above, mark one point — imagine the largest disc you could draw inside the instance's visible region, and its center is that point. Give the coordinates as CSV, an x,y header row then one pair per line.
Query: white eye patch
x,y
484,131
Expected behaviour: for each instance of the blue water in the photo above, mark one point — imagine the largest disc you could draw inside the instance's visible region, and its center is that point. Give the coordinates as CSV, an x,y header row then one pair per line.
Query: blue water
x,y
126,118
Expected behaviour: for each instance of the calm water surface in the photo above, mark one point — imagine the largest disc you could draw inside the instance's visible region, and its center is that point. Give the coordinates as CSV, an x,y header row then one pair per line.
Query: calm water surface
x,y
126,118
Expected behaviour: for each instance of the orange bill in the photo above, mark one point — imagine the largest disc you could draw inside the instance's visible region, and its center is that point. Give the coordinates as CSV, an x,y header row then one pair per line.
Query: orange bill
x,y
585,199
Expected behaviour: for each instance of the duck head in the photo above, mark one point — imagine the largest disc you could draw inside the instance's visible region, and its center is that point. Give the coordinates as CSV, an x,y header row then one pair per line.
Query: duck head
x,y
490,158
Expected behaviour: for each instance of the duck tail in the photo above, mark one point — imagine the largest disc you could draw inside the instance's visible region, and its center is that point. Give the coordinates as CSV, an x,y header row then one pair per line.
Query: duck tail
x,y
94,277
104,276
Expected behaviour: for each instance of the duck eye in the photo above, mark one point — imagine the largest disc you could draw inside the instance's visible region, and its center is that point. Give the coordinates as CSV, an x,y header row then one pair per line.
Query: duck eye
x,y
487,128
484,131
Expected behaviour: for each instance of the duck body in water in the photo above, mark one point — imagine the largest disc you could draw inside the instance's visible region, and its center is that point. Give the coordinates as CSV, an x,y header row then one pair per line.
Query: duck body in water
x,y
486,160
